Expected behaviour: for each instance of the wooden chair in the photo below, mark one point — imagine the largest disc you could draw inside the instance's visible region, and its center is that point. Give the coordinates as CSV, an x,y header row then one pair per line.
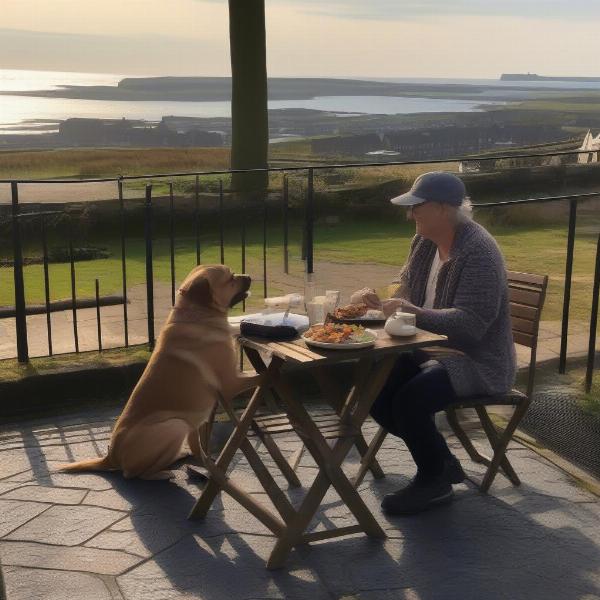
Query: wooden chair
x,y
527,293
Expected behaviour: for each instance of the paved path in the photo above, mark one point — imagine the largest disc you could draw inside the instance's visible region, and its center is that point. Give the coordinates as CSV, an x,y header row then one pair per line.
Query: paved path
x,y
346,277
100,537
60,192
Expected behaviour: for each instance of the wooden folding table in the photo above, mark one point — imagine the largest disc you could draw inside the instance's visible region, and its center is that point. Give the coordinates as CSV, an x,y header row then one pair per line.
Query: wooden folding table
x,y
275,360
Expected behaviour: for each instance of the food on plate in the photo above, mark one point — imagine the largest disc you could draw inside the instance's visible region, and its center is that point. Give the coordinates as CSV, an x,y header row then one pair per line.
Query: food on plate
x,y
338,333
354,312
351,311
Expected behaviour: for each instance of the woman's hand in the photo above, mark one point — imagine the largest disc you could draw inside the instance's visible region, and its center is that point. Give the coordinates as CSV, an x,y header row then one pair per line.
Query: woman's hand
x,y
368,296
389,307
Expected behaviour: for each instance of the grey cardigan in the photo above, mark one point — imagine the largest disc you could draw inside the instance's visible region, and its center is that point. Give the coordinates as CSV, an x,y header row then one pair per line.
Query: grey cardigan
x,y
471,307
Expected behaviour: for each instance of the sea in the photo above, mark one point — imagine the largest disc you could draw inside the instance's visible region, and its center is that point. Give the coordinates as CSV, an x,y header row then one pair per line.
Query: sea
x,y
27,115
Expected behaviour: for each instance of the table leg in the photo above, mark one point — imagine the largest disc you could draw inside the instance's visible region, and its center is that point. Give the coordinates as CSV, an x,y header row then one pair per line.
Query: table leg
x,y
275,493
329,461
265,516
331,390
284,466
370,455
234,442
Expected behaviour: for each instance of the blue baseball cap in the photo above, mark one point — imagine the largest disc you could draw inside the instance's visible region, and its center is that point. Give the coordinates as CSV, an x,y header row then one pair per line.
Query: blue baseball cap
x,y
436,186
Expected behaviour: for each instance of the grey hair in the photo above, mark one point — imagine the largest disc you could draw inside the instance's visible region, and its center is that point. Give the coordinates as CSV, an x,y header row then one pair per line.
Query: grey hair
x,y
464,212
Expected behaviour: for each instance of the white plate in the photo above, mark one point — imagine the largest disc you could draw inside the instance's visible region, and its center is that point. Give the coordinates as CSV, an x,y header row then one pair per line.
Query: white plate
x,y
343,345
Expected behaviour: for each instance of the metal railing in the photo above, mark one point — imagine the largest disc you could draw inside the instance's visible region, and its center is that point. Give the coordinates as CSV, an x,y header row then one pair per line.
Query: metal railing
x,y
308,241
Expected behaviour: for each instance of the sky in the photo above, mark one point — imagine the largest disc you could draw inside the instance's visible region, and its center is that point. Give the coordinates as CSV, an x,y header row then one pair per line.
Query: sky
x,y
320,38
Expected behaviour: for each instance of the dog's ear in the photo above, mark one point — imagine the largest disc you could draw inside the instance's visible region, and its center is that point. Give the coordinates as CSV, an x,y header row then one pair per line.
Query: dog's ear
x,y
198,291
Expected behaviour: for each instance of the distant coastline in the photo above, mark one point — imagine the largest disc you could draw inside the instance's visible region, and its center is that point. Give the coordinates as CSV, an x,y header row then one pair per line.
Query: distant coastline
x,y
207,89
535,77
215,89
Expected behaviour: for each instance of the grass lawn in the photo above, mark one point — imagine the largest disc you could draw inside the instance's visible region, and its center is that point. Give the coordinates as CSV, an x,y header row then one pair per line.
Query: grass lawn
x,y
108,271
538,249
109,162
590,104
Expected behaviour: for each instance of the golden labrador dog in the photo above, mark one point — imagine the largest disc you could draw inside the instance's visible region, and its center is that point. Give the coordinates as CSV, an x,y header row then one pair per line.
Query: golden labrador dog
x,y
194,363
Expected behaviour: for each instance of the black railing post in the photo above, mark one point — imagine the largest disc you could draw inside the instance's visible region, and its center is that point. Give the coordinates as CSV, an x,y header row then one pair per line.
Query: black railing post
x,y
264,216
562,363
98,322
593,323
20,314
309,225
285,215
221,224
123,263
172,242
73,286
46,285
197,219
149,267
243,240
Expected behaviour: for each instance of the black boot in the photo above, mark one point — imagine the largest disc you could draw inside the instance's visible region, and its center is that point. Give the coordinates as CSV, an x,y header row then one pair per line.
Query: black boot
x,y
421,494
418,496
453,472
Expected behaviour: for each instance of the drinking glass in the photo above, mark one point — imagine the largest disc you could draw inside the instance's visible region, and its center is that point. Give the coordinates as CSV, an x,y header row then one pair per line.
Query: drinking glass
x,y
315,312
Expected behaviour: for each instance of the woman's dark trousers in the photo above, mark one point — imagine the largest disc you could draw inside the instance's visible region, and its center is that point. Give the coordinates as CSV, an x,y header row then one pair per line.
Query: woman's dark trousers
x,y
406,408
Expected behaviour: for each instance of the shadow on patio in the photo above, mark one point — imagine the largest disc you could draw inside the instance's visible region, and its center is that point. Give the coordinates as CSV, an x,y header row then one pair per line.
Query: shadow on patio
x,y
101,536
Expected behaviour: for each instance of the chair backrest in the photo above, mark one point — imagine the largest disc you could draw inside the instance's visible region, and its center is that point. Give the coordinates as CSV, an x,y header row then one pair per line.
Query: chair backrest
x,y
527,293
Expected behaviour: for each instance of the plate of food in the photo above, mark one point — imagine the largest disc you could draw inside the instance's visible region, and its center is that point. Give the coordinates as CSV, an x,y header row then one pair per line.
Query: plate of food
x,y
357,313
339,336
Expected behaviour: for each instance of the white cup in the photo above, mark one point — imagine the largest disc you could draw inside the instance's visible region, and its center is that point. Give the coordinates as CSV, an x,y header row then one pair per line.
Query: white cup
x,y
401,323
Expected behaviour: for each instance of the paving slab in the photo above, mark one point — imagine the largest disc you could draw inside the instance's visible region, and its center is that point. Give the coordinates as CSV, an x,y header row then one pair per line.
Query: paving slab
x,y
65,558
131,540
13,514
41,584
66,525
53,495
220,567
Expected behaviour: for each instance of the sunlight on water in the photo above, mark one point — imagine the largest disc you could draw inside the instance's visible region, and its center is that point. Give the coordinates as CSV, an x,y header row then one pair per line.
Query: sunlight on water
x,y
21,114
48,80
23,109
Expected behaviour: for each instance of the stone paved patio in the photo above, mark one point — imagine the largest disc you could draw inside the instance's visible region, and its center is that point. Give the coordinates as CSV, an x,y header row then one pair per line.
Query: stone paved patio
x,y
100,537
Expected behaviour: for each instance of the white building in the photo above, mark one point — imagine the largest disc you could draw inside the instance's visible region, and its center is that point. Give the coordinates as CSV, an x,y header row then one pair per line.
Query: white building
x,y
592,144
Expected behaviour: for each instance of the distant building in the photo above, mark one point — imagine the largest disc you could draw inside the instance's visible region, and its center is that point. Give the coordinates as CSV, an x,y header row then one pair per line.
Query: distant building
x,y
346,144
454,141
383,153
469,166
592,144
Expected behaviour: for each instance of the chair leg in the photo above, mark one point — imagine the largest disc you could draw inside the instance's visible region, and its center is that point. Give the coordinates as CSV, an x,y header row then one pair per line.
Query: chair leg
x,y
495,438
500,444
463,438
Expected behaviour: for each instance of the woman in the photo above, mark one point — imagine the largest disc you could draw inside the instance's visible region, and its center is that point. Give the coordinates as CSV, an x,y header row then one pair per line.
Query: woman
x,y
455,283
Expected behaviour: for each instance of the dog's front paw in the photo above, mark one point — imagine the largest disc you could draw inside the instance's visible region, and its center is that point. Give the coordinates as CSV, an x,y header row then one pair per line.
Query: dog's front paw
x,y
194,474
159,476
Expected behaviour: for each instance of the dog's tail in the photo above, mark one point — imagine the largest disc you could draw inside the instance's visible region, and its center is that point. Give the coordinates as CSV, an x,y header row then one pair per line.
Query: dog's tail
x,y
92,464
